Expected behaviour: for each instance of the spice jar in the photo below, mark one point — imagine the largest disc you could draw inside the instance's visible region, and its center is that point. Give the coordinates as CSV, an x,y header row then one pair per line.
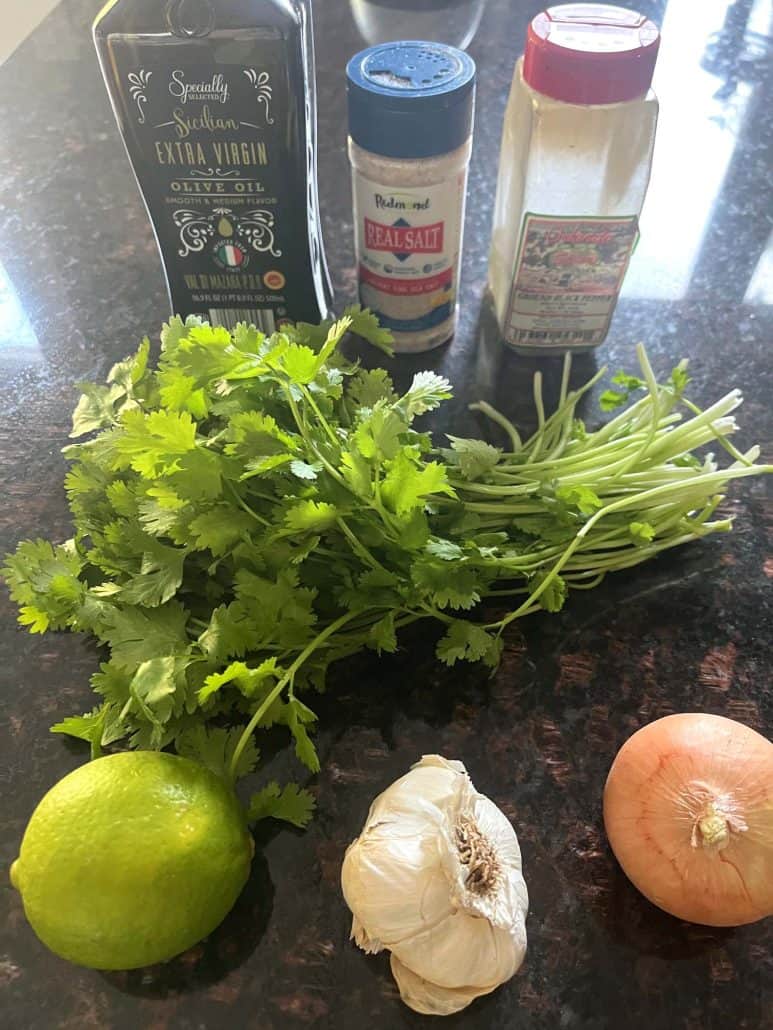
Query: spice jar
x,y
410,136
574,167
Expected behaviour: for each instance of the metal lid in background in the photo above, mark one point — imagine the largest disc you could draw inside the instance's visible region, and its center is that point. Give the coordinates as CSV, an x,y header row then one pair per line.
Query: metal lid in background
x,y
411,98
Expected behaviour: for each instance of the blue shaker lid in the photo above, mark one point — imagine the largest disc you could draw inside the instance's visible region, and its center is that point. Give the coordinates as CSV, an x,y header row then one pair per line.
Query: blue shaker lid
x,y
410,98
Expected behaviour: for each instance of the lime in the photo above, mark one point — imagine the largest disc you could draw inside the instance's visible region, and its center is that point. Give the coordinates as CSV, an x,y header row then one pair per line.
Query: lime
x,y
131,859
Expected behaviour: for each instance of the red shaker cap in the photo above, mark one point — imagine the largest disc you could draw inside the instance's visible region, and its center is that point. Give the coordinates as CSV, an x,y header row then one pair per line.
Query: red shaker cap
x,y
590,53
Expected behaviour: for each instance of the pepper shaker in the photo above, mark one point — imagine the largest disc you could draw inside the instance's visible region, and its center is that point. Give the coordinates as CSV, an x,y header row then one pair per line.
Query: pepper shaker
x,y
575,162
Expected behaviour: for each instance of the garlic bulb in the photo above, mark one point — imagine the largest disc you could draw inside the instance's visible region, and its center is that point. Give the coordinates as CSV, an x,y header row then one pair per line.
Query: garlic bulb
x,y
435,877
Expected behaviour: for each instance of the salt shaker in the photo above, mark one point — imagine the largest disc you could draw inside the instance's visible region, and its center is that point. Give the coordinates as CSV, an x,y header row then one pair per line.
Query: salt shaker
x,y
574,167
410,136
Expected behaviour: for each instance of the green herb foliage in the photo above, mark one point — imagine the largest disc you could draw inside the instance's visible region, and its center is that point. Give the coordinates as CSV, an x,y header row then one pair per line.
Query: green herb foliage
x,y
256,508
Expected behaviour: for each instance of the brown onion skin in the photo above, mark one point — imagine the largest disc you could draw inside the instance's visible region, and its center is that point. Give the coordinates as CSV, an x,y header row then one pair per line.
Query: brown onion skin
x,y
656,790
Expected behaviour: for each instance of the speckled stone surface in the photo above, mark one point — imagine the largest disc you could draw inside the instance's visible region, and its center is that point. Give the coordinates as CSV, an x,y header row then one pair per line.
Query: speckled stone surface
x,y
81,283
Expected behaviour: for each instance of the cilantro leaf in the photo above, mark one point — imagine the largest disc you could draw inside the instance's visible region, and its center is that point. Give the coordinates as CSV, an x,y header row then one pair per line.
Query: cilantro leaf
x,y
311,517
304,469
357,472
447,550
427,391
446,586
407,485
464,641
248,680
628,382
127,373
137,634
298,362
153,444
554,595
291,804
364,323
253,433
368,387
95,408
679,379
87,727
219,528
474,457
612,399
641,532
379,431
382,636
297,717
214,747
44,582
582,498
180,392
153,692
231,632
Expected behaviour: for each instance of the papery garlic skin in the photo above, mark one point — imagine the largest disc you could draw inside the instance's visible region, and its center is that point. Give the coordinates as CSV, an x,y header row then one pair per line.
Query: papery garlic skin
x,y
429,999
435,877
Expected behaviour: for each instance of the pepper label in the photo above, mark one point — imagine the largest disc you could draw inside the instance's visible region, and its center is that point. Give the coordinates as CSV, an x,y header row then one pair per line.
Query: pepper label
x,y
568,276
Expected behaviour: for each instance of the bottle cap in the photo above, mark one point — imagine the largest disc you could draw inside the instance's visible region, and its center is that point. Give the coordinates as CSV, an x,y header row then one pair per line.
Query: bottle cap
x,y
590,53
410,99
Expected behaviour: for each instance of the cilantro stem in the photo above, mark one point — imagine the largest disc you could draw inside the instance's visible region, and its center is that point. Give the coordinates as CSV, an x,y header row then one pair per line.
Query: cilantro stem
x,y
359,548
437,614
303,430
535,444
381,510
494,489
321,637
624,502
496,416
718,434
322,420
243,504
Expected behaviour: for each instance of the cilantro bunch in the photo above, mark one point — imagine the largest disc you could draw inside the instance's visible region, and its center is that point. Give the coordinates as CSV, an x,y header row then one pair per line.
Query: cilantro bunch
x,y
257,508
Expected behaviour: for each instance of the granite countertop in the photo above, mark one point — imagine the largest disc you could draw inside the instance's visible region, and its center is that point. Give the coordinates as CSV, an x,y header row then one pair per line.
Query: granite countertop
x,y
80,283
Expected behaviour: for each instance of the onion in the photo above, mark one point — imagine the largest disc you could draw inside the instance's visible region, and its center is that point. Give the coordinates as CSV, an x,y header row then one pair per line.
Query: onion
x,y
688,809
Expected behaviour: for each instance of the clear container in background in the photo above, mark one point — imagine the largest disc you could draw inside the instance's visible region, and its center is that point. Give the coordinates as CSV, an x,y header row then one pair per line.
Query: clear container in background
x,y
454,22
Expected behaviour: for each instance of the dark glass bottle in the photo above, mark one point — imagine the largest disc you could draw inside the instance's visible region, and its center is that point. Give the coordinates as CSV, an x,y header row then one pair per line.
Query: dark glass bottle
x,y
215,100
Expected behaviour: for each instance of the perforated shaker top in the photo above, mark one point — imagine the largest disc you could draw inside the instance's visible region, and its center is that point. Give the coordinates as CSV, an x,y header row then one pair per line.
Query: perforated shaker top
x,y
410,98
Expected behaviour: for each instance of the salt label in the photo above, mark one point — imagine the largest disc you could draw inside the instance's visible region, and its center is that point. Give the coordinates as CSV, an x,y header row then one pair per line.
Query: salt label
x,y
408,244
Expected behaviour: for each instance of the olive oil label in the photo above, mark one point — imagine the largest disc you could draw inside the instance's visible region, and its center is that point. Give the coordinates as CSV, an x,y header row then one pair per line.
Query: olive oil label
x,y
568,274
206,129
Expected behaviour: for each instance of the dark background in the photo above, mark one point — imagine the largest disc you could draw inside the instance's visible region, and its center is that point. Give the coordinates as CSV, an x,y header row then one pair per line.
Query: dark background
x,y
80,283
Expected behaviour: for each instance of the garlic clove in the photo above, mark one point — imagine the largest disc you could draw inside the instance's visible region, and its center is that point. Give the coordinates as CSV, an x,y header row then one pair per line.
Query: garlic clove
x,y
392,879
361,937
433,780
431,999
464,951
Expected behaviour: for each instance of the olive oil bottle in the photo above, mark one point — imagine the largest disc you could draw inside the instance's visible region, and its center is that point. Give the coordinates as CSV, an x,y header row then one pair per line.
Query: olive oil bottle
x,y
215,100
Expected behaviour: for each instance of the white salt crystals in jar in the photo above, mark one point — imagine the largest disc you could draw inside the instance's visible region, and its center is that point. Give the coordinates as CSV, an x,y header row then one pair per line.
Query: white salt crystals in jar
x,y
410,137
